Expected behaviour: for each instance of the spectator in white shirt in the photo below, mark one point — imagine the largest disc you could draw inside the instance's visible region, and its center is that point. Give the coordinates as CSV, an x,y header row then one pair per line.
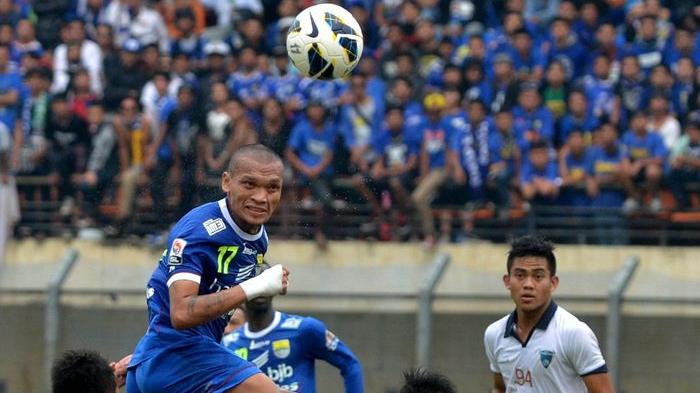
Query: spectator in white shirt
x,y
90,58
130,18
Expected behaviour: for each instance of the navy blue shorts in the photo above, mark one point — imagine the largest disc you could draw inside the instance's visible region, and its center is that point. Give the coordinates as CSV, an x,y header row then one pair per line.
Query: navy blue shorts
x,y
205,368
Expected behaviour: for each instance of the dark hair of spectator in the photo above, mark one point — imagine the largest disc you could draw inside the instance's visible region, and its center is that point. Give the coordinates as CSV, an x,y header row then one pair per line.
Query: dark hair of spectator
x,y
539,144
532,246
424,381
82,371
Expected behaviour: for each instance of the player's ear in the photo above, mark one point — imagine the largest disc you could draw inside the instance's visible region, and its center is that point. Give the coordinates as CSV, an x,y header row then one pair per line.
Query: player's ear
x,y
555,282
226,182
506,280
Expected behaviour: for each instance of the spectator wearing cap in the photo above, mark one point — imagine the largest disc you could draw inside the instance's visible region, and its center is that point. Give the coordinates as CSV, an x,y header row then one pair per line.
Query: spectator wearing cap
x,y
132,19
30,152
126,78
600,90
310,152
645,154
533,121
188,41
431,161
564,46
685,164
246,83
214,67
89,57
504,85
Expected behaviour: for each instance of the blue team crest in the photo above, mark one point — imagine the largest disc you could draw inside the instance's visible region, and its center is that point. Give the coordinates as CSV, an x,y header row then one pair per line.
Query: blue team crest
x,y
546,357
281,348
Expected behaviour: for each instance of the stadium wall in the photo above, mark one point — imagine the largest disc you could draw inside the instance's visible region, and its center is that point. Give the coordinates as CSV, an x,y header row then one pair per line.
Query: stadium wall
x,y
365,292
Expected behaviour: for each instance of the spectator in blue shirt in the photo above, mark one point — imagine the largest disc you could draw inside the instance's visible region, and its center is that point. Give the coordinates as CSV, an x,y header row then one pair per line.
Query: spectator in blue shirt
x,y
683,86
401,94
577,118
189,42
683,46
529,64
504,86
576,168
632,89
650,44
586,25
395,167
505,161
310,153
247,82
533,121
644,161
600,91
540,180
565,47
475,85
609,186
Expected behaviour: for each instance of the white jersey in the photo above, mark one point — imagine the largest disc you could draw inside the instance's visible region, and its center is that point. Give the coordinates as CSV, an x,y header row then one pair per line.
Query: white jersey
x,y
559,352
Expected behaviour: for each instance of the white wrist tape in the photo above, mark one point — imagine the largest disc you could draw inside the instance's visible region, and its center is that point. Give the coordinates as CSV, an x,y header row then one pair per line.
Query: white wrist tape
x,y
268,283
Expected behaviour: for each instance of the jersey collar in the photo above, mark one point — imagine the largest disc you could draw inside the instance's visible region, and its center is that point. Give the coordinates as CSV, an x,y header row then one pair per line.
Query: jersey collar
x,y
542,324
264,332
241,233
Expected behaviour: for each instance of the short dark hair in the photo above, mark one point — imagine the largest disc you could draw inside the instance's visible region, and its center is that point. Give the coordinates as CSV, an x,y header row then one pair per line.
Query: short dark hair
x,y
82,371
532,246
424,381
259,151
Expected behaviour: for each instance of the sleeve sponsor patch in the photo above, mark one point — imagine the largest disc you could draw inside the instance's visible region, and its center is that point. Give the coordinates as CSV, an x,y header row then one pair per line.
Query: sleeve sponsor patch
x,y
176,252
331,340
214,226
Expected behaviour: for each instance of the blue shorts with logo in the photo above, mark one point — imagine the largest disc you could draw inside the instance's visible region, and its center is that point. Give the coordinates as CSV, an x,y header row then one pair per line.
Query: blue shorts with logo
x,y
204,367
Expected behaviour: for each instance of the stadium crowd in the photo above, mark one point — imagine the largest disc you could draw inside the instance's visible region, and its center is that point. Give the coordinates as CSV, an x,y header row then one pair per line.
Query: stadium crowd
x,y
470,104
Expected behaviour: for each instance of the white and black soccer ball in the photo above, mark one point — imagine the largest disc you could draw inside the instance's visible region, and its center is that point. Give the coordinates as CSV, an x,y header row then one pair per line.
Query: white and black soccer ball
x,y
325,42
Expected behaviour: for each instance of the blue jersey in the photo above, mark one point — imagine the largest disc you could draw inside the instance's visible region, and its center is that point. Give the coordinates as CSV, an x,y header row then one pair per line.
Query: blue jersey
x,y
503,148
579,168
638,147
205,246
549,172
283,87
472,147
394,149
540,120
569,123
8,82
312,145
287,350
246,86
607,163
435,139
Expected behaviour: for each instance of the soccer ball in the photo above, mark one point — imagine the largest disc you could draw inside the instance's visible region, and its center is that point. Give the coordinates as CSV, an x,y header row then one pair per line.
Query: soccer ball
x,y
325,42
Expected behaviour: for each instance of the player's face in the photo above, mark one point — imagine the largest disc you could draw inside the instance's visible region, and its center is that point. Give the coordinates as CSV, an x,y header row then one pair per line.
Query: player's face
x,y
530,283
253,192
259,305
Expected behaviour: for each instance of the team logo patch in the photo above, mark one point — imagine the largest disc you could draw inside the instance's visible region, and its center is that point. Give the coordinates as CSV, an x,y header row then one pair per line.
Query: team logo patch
x,y
281,348
331,341
546,357
214,226
291,323
176,251
260,259
242,353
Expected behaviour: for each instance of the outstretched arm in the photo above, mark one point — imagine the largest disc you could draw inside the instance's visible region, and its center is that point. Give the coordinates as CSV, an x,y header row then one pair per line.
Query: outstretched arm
x,y
188,309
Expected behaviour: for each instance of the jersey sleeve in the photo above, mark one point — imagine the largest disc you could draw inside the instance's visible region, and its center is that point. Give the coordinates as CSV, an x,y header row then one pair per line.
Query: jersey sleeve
x,y
489,343
184,261
583,351
325,345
